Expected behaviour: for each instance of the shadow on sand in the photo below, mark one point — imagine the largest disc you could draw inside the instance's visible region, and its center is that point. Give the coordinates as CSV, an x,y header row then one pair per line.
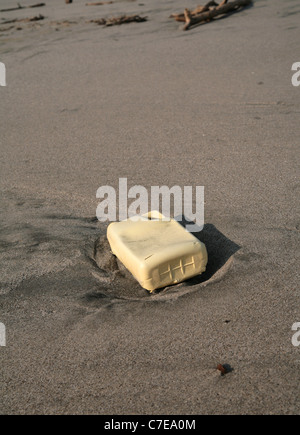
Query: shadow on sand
x,y
219,248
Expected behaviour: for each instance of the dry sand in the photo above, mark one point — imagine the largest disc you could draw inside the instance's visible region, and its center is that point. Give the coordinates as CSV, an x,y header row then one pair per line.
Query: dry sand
x,y
85,105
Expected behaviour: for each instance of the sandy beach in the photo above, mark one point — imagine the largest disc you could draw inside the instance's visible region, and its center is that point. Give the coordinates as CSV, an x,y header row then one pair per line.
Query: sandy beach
x,y
86,105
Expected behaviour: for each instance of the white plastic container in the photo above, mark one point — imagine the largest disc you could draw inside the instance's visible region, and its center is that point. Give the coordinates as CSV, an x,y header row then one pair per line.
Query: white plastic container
x,y
158,253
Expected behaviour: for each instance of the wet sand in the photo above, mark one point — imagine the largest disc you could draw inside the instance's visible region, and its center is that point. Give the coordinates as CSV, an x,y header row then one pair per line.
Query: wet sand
x,y
85,105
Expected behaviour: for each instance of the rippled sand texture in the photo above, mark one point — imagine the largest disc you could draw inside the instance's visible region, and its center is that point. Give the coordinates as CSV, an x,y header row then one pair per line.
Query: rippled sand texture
x,y
85,105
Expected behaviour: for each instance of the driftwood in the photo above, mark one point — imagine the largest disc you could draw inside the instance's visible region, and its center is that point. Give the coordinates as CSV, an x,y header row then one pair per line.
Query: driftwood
x,y
197,11
116,21
99,3
24,20
208,12
38,5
